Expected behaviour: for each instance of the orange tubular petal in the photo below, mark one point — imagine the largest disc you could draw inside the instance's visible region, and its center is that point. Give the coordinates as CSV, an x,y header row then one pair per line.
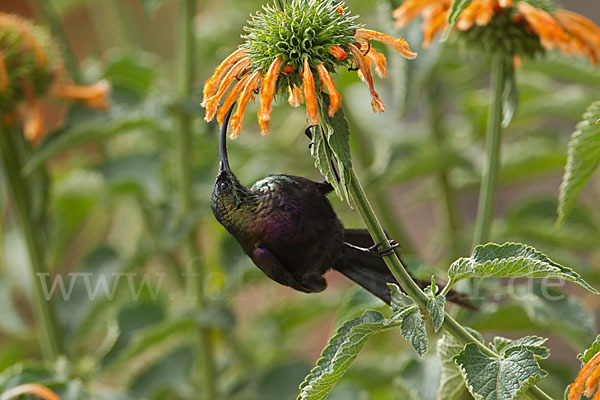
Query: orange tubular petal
x,y
95,95
295,98
39,391
3,73
378,60
399,44
576,389
486,12
245,97
376,102
335,100
591,383
410,9
468,16
338,52
212,84
547,28
436,23
585,35
267,92
505,3
310,95
212,104
34,118
231,98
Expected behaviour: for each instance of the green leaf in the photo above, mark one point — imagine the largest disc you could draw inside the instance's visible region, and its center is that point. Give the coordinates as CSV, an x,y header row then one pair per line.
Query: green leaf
x,y
341,351
583,159
498,378
591,351
413,330
344,346
511,260
456,9
534,344
451,382
331,149
435,308
510,94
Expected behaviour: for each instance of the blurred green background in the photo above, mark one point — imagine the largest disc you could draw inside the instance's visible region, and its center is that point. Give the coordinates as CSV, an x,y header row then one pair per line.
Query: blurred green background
x,y
110,202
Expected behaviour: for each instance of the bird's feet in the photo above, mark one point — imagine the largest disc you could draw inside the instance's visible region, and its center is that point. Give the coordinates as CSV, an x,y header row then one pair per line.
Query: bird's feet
x,y
375,250
309,135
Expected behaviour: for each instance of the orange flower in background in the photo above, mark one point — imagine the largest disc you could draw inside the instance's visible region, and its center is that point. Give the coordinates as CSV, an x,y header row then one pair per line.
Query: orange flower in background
x,y
296,57
30,68
586,382
571,33
39,391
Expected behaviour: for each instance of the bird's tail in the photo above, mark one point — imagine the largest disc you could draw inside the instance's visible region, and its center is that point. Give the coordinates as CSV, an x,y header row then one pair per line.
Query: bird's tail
x,y
371,272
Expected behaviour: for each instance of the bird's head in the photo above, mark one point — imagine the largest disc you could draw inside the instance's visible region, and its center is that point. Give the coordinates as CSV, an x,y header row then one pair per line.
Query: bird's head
x,y
228,193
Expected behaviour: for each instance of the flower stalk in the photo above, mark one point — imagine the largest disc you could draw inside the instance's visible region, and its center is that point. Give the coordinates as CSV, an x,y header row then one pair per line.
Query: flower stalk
x,y
408,285
183,125
489,183
49,332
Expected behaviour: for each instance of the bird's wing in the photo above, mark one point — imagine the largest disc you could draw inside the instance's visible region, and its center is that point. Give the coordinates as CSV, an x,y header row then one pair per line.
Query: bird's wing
x,y
270,265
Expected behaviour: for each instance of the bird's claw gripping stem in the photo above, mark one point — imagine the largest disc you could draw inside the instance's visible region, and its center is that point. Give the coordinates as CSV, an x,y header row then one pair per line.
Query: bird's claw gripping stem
x,y
375,250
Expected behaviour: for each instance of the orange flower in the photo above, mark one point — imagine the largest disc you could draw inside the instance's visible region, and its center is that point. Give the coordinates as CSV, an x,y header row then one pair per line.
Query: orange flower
x,y
586,382
571,33
31,67
301,66
39,391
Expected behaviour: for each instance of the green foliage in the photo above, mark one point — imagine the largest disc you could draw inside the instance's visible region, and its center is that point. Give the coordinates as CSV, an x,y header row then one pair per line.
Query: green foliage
x,y
590,351
452,385
331,149
583,160
511,260
504,377
456,8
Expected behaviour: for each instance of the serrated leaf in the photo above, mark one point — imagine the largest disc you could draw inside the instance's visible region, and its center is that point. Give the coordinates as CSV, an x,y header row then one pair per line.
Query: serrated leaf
x,y
451,382
435,308
583,159
498,378
341,351
511,260
590,351
457,7
535,344
344,346
510,94
413,330
332,149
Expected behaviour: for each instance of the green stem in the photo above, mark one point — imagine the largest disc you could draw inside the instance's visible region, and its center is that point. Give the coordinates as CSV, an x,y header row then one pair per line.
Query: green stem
x,y
485,211
49,332
60,35
183,124
448,194
408,285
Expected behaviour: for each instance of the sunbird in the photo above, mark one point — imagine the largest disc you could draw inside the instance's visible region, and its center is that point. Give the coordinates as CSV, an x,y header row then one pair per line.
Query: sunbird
x,y
288,228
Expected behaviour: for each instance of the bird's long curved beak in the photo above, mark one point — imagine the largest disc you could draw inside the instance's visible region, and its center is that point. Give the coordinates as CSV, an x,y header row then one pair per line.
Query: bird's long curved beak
x,y
223,160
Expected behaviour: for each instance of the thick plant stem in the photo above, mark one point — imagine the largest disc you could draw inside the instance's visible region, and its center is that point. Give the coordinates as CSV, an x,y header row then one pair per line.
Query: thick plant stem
x,y
48,330
487,194
183,125
405,280
448,193
58,31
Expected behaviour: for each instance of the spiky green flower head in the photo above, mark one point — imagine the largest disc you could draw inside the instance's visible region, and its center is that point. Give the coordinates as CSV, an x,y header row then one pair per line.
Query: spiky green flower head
x,y
29,61
298,30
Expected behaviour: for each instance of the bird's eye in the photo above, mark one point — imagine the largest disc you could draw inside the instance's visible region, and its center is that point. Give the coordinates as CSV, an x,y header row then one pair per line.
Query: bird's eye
x,y
224,185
